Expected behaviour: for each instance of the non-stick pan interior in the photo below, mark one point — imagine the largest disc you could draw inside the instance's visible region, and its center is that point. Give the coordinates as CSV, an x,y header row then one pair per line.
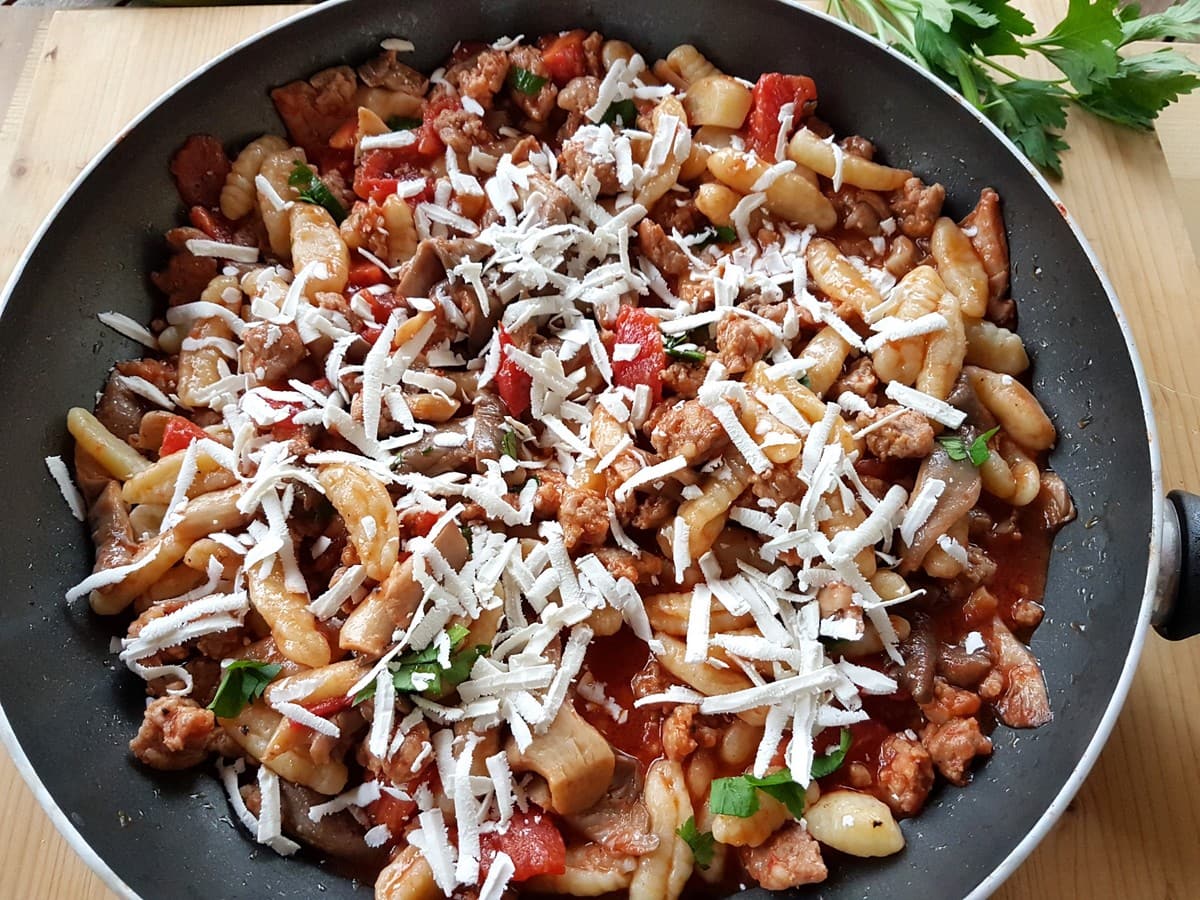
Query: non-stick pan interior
x,y
73,709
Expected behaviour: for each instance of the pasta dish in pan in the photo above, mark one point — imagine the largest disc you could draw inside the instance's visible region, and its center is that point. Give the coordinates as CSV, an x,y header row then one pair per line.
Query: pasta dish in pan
x,y
565,475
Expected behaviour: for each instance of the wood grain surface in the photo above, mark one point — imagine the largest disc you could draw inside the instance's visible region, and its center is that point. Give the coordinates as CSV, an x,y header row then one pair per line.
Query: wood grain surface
x,y
1134,829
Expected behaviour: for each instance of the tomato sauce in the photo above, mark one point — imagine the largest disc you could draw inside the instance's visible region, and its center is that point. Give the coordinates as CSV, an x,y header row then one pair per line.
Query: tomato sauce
x,y
614,662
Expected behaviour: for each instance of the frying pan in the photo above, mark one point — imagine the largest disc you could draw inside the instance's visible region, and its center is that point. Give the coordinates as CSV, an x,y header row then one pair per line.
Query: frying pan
x,y
70,710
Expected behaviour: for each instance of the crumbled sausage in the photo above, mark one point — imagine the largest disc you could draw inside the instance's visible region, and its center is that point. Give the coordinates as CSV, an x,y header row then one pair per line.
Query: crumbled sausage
x,y
859,146
386,71
677,738
576,161
953,745
860,210
313,110
482,77
185,276
549,493
176,733
536,106
788,858
950,703
576,97
199,168
461,130
678,212
908,436
901,257
685,378
859,379
741,342
689,430
584,517
917,206
623,564
652,512
1026,614
661,250
270,351
593,44
905,774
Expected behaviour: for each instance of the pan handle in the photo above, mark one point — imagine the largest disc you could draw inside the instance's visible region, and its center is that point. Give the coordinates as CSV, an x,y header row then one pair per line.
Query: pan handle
x,y
1177,615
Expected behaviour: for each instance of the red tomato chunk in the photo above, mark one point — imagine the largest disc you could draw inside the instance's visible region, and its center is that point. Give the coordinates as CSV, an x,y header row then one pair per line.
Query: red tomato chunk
x,y
772,91
532,841
513,382
637,326
178,434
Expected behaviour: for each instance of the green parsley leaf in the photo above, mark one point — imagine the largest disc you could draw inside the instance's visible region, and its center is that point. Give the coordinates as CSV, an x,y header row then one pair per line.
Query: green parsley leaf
x,y
313,190
1001,40
242,682
738,795
947,58
525,81
718,234
733,797
1032,113
509,444
977,452
404,123
701,842
832,761
468,537
1143,87
625,110
805,381
1084,44
420,672
942,13
678,346
1181,21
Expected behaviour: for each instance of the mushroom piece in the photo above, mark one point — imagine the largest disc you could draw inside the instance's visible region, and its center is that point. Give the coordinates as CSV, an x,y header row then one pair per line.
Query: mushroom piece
x,y
619,820
112,534
1024,703
572,756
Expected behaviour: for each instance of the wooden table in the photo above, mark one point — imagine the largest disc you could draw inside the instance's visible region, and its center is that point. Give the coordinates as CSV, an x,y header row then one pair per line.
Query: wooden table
x,y
1134,828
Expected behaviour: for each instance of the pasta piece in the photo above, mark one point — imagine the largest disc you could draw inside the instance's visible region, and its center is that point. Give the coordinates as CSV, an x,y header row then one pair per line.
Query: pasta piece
x,y
388,104
224,290
667,174
1021,416
916,295
201,553
432,407
391,604
997,477
889,584
314,685
753,829
707,679
252,730
834,274
662,873
286,612
156,483
276,169
669,613
717,100
200,366
739,743
806,149
806,402
316,239
869,643
239,195
407,877
592,870
716,201
690,64
401,230
705,515
991,347
370,517
790,196
825,355
1027,478
960,267
177,580
841,519
117,457
857,824
945,352
208,513
938,562
146,519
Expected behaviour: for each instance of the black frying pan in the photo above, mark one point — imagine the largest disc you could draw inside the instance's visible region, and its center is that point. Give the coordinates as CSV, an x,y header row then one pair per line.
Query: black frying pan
x,y
73,710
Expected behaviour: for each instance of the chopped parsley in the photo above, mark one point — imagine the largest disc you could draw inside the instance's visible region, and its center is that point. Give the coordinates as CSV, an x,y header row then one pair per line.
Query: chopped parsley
x,y
679,346
468,537
242,682
509,444
832,759
313,190
420,672
404,123
701,842
623,110
977,451
718,234
525,81
738,796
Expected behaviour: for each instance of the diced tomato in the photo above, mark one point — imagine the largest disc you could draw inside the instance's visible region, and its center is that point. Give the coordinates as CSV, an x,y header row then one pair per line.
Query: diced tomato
x,y
392,812
419,522
178,435
513,382
365,274
371,333
532,841
324,708
381,170
285,429
346,135
772,91
565,58
212,223
637,326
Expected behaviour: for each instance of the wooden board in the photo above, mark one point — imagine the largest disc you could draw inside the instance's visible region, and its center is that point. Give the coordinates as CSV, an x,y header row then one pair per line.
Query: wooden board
x,y
1132,831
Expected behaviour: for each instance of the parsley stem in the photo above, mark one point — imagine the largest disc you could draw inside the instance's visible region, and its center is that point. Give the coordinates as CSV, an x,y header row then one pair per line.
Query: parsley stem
x,y
992,64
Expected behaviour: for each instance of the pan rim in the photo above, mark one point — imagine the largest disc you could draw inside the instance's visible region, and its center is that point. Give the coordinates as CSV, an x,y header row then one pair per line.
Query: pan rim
x,y
1099,739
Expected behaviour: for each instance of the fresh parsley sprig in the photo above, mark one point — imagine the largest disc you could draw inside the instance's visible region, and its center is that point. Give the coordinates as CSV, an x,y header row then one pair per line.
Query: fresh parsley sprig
x,y
420,672
976,451
960,41
242,682
701,842
681,346
738,795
